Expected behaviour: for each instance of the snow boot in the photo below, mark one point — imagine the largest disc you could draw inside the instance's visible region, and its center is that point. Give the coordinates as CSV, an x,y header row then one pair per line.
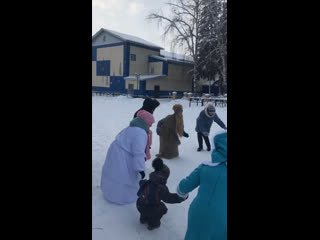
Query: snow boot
x,y
151,227
143,220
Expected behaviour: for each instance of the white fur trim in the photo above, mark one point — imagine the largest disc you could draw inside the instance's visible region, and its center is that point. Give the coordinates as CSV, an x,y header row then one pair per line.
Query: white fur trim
x,y
211,164
180,194
205,109
206,113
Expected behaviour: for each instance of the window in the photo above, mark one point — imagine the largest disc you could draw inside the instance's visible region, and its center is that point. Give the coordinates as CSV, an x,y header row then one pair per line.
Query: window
x,y
104,38
103,68
133,57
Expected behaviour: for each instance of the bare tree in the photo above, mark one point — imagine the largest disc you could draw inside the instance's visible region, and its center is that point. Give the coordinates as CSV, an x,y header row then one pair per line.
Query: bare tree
x,y
183,24
213,41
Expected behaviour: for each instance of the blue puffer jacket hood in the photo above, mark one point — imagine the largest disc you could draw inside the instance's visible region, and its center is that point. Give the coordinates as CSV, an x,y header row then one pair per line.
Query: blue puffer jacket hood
x,y
219,153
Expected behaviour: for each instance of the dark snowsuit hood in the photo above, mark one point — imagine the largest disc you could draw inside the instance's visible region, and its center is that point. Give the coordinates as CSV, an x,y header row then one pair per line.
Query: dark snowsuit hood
x,y
161,176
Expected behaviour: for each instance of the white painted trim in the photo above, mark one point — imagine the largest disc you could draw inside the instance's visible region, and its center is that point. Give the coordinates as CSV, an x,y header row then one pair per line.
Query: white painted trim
x,y
211,164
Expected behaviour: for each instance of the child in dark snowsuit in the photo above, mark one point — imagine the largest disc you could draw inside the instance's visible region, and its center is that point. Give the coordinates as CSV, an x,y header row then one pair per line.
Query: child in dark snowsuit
x,y
151,193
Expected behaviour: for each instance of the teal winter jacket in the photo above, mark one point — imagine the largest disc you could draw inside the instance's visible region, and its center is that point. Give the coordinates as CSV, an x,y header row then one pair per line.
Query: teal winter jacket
x,y
207,217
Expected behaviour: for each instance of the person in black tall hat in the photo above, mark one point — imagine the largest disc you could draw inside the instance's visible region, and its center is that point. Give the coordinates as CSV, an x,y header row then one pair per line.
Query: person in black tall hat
x,y
149,105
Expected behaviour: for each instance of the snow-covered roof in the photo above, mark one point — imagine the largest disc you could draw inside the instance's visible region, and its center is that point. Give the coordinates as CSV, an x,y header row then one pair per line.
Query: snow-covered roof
x,y
144,77
168,59
126,37
175,56
159,57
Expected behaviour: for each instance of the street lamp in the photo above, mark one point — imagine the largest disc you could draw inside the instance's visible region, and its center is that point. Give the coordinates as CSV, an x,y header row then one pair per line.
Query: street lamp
x,y
138,78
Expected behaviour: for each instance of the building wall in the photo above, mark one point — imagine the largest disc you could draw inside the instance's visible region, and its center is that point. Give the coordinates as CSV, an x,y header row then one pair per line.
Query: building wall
x,y
141,65
177,80
134,82
157,66
108,39
99,81
115,55
179,77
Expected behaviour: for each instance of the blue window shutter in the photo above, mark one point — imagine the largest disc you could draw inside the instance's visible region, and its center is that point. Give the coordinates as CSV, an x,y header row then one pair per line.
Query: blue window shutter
x,y
103,68
94,54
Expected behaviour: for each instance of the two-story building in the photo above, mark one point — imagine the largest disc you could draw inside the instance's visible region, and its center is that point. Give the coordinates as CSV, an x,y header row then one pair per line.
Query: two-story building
x,y
127,64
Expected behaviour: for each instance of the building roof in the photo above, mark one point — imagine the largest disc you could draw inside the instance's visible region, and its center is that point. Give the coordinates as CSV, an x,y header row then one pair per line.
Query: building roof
x,y
144,77
171,60
126,38
175,56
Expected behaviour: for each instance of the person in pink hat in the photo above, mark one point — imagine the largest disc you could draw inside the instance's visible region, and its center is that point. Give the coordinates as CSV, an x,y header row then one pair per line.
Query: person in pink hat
x,y
124,165
145,116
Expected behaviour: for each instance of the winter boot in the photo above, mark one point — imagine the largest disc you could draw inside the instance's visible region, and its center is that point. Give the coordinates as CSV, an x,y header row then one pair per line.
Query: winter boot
x,y
143,220
151,227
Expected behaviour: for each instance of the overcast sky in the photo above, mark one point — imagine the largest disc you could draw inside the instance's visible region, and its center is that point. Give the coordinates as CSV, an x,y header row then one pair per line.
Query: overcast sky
x,y
129,17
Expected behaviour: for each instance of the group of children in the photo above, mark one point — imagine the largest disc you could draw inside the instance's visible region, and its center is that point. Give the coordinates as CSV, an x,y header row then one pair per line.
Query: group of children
x,y
122,179
153,191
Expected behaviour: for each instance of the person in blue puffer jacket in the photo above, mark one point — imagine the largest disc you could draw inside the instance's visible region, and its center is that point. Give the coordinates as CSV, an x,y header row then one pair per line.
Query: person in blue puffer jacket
x,y
207,216
204,123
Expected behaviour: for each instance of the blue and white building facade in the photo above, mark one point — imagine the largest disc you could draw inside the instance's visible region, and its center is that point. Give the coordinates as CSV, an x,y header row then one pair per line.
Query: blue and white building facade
x,y
127,64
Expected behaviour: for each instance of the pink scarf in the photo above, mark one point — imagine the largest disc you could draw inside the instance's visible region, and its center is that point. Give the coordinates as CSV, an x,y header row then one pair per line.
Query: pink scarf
x,y
149,142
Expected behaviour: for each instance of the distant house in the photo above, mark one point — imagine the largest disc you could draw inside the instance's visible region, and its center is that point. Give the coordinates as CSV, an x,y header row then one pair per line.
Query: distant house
x,y
127,64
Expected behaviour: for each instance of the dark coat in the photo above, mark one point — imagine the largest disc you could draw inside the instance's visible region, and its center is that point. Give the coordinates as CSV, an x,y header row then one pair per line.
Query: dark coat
x,y
204,122
154,190
151,194
169,140
149,105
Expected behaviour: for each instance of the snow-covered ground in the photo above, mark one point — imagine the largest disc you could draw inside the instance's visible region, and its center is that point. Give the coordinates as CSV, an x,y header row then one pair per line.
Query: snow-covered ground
x,y
109,116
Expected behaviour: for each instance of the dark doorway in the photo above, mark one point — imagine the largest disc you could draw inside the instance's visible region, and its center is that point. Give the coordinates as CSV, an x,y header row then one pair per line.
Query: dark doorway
x,y
156,91
130,89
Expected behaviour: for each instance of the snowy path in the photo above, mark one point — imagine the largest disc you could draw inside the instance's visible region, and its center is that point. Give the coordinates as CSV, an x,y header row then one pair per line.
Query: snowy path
x,y
109,116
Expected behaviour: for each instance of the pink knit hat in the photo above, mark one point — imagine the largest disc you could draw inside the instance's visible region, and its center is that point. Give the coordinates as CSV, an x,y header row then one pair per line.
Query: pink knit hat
x,y
146,116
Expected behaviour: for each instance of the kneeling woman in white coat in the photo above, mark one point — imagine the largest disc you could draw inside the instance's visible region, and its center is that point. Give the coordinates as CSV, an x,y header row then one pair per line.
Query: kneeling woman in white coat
x,y
125,161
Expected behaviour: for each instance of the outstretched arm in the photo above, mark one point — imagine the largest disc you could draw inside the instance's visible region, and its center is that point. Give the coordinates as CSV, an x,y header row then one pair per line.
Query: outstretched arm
x,y
189,183
159,125
219,122
168,197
